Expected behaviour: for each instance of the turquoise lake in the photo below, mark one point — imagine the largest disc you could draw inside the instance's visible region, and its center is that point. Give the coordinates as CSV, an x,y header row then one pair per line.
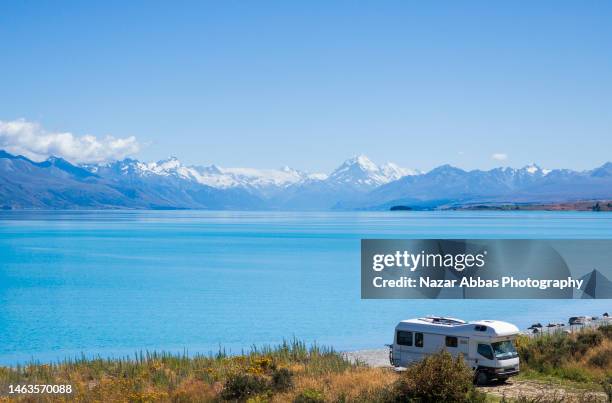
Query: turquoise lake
x,y
112,283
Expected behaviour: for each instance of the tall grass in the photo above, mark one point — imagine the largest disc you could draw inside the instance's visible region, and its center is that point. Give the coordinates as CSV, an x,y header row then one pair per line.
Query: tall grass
x,y
583,356
148,376
295,371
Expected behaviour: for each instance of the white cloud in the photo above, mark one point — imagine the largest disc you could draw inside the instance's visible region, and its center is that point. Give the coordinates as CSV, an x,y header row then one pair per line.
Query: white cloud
x,y
31,140
499,156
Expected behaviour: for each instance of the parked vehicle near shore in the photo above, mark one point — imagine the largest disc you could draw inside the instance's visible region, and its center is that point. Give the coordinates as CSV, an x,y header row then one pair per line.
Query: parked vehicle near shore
x,y
486,345
579,320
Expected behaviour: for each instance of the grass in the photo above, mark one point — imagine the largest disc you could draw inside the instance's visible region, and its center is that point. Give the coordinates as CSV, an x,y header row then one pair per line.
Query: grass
x,y
291,372
296,372
583,357
269,374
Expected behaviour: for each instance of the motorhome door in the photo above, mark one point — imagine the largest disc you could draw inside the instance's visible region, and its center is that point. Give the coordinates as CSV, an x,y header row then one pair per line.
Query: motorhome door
x,y
404,342
484,355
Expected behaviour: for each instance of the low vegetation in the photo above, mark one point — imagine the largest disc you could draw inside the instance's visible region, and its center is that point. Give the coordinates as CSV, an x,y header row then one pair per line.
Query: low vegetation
x,y
259,374
583,357
437,378
291,372
295,372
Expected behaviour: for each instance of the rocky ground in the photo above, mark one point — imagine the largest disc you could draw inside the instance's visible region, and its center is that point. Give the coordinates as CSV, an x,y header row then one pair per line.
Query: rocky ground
x,y
514,388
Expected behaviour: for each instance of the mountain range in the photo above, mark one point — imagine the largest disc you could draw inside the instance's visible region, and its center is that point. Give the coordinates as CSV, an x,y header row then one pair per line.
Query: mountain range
x,y
358,183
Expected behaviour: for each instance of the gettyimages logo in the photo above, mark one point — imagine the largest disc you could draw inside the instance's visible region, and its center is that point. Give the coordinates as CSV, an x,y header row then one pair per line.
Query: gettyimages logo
x,y
412,262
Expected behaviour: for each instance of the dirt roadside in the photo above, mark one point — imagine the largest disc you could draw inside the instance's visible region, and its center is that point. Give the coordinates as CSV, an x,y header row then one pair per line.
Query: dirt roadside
x,y
514,388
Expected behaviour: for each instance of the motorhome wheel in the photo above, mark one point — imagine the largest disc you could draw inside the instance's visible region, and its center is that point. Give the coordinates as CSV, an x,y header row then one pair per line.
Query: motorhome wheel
x,y
482,378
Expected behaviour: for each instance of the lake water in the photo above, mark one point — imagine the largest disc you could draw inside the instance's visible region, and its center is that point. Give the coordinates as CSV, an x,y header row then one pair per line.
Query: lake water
x,y
112,283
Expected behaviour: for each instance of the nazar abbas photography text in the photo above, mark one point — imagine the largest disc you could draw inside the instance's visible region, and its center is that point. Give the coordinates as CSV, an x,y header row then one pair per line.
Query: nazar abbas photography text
x,y
423,261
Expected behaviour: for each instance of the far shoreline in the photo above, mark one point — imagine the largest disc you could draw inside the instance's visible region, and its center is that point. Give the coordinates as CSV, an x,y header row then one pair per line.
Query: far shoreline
x,y
582,207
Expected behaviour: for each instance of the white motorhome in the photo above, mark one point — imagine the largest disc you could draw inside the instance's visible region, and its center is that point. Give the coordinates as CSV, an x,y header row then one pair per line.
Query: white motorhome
x,y
486,345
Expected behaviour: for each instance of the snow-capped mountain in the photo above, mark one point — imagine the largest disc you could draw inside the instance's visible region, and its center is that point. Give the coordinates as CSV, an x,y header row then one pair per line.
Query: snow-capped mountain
x,y
284,188
358,183
447,185
358,172
361,172
213,175
248,177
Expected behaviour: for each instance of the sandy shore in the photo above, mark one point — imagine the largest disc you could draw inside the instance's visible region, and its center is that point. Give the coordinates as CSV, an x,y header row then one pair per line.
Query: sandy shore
x,y
373,358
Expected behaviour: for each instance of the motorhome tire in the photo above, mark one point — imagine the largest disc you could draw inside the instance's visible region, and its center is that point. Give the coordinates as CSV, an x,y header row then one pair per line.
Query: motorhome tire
x,y
481,378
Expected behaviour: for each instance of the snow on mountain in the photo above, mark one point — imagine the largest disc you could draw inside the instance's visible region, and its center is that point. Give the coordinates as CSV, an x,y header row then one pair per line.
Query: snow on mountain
x,y
447,184
358,172
394,172
534,169
247,177
357,183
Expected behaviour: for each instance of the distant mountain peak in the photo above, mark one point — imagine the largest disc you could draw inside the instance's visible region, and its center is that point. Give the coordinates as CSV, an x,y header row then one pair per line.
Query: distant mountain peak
x,y
535,169
603,171
445,169
360,171
7,155
169,163
532,168
213,168
288,169
360,161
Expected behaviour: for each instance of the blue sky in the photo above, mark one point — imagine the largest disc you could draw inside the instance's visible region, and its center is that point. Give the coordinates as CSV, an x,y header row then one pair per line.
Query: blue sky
x,y
309,84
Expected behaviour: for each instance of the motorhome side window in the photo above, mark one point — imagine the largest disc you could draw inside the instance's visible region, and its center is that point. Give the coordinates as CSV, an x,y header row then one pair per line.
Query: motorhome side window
x,y
404,338
485,351
451,341
418,339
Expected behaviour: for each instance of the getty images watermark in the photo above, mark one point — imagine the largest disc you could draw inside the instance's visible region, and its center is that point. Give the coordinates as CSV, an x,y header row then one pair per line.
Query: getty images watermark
x,y
459,268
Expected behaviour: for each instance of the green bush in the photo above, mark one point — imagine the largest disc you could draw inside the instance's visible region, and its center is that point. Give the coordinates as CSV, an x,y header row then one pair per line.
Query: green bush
x,y
561,354
545,352
309,396
282,379
437,378
606,331
379,395
585,341
551,351
602,360
242,386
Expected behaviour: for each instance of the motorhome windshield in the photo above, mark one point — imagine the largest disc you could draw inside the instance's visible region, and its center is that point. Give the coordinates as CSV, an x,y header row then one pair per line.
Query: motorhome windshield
x,y
504,350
